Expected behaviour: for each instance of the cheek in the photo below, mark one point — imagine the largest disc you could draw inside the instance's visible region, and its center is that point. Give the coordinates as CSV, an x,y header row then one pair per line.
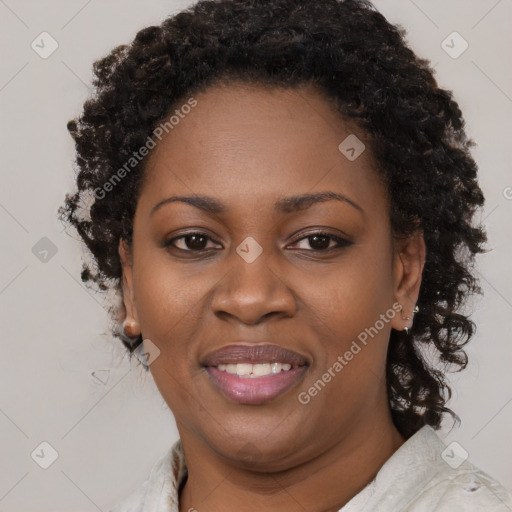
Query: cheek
x,y
170,303
167,294
353,341
352,297
348,308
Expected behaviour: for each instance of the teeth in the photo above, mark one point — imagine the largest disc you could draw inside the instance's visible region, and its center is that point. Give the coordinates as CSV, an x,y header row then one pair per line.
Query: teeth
x,y
261,369
255,370
243,369
230,368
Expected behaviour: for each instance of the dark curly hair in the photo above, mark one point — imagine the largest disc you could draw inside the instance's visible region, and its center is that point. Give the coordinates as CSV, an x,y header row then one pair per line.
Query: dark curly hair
x,y
363,65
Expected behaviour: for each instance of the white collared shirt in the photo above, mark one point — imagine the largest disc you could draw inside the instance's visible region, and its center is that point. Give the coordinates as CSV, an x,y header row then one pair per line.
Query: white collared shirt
x,y
416,478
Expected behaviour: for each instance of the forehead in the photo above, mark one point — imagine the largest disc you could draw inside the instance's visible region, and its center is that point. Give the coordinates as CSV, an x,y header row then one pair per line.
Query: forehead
x,y
248,143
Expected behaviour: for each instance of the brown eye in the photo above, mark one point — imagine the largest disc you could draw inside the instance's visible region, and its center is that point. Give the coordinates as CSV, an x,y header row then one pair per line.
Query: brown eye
x,y
319,242
195,242
191,242
322,241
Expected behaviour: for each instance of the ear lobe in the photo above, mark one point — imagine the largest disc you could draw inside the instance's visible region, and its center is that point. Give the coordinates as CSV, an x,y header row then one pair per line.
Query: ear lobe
x,y
409,261
127,282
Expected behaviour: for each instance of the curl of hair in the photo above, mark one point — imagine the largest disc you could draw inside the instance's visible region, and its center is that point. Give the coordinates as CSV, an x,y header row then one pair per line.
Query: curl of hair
x,y
364,66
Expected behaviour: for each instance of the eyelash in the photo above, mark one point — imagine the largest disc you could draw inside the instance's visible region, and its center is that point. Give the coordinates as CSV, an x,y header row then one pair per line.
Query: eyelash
x,y
342,242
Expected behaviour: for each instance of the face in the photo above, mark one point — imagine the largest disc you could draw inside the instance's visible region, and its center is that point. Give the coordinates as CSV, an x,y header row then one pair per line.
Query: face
x,y
289,260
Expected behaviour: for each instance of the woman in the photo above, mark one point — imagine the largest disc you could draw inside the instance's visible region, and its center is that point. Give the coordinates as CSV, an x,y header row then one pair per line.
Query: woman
x,y
284,199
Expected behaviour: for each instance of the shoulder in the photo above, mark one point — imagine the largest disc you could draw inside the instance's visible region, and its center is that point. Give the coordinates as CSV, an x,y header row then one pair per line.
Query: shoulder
x,y
425,475
466,488
133,502
456,483
159,492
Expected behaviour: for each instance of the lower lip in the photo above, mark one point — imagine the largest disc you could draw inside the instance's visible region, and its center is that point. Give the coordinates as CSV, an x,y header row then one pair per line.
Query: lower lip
x,y
254,390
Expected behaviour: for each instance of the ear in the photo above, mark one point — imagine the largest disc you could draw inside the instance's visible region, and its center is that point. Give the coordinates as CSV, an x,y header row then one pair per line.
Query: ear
x,y
125,255
408,263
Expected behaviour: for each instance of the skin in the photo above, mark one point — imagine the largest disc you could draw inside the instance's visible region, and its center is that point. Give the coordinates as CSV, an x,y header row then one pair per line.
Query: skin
x,y
248,146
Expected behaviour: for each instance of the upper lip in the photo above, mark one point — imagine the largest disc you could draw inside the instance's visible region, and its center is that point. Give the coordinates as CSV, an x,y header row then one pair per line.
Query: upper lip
x,y
255,353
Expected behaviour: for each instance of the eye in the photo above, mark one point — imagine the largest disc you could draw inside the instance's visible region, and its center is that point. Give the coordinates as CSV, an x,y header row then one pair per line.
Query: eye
x,y
190,242
321,241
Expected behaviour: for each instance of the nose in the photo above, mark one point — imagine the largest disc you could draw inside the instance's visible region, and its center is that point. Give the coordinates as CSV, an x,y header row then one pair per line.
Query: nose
x,y
253,292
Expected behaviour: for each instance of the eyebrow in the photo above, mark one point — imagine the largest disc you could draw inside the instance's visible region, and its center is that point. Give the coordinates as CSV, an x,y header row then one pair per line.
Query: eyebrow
x,y
284,205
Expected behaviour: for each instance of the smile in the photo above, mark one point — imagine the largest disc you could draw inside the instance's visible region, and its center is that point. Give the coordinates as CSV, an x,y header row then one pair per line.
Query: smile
x,y
253,389
255,370
256,373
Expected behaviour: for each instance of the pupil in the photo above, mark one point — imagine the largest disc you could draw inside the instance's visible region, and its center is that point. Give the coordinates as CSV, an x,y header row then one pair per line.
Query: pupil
x,y
317,246
195,244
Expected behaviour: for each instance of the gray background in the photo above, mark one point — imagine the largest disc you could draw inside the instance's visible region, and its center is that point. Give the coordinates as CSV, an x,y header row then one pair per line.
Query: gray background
x,y
63,380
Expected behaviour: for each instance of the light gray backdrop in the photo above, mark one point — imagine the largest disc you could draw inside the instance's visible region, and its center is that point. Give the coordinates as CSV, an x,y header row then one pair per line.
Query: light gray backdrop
x,y
63,380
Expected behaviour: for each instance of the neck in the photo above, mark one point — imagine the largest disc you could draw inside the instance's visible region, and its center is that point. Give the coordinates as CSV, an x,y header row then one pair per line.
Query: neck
x,y
324,483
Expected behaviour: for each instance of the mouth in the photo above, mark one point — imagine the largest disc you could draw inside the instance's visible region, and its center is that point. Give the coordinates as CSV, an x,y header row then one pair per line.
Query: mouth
x,y
254,374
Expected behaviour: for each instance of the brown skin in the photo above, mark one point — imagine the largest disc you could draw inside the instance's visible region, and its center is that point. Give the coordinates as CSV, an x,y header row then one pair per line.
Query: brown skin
x,y
248,146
